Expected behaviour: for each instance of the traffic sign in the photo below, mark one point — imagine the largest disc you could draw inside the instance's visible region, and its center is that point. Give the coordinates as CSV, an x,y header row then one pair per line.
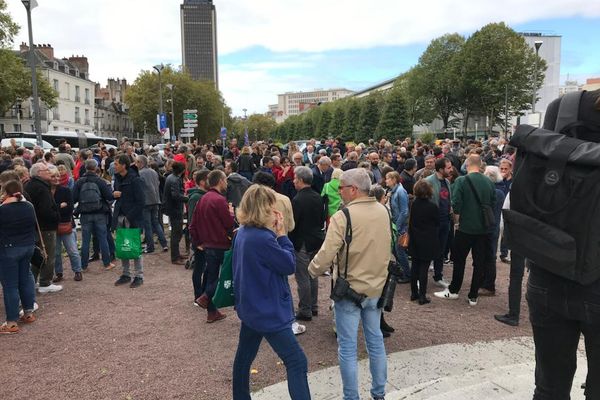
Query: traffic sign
x,y
190,116
186,135
187,130
190,125
190,111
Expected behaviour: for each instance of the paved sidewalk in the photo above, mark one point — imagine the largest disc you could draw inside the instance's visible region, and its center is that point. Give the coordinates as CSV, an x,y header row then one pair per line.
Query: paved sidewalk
x,y
502,369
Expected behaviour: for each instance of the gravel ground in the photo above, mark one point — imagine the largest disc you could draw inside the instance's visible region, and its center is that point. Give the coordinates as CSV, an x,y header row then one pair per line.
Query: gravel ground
x,y
97,341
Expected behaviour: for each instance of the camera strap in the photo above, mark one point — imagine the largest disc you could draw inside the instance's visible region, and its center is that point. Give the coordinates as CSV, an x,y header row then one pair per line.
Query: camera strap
x,y
347,237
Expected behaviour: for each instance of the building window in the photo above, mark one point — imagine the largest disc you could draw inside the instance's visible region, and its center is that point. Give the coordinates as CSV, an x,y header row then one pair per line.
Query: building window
x,y
67,91
55,127
16,127
55,85
87,96
55,114
77,116
77,97
87,117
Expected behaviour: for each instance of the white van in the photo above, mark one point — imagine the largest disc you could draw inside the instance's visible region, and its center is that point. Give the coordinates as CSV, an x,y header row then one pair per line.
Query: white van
x,y
28,143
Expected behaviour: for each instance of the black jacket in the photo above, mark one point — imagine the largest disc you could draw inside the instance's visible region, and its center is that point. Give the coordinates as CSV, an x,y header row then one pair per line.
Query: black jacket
x,y
64,195
320,178
236,187
173,197
408,181
132,200
309,217
423,226
104,187
246,164
46,209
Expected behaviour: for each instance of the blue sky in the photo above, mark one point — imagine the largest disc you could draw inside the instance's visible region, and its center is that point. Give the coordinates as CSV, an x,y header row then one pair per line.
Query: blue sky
x,y
268,47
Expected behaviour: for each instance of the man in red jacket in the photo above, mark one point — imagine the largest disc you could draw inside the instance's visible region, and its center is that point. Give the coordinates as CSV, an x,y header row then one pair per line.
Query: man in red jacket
x,y
211,230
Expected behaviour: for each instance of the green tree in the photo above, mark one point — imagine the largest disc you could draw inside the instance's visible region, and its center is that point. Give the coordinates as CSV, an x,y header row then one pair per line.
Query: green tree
x,y
419,109
8,28
324,123
336,127
435,77
369,119
143,101
307,129
497,69
351,121
394,121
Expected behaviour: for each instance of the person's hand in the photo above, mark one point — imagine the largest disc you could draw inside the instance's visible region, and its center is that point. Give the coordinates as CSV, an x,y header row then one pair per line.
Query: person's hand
x,y
200,248
279,226
63,204
116,194
231,209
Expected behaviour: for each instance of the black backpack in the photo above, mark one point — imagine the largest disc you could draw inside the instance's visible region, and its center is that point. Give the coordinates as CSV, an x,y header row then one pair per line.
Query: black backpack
x,y
554,219
90,198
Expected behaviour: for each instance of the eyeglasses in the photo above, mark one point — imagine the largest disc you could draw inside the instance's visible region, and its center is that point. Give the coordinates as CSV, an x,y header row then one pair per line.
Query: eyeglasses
x,y
343,186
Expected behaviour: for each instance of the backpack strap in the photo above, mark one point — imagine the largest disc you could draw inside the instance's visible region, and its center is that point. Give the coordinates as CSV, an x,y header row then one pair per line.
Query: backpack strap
x,y
568,110
347,237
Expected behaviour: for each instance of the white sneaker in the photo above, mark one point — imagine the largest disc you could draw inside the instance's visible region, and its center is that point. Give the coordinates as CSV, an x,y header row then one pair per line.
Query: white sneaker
x,y
297,328
472,302
442,283
52,288
35,308
445,294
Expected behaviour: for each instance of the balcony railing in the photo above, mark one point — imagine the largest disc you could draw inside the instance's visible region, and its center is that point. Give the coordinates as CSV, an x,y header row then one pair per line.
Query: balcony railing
x,y
77,120
78,99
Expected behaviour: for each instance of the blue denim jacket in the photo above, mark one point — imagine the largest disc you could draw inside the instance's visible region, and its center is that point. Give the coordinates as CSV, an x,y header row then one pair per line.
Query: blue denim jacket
x,y
399,206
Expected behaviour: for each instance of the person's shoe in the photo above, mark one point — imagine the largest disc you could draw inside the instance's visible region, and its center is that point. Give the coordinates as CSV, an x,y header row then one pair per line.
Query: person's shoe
x,y
203,301
315,313
441,283
165,249
146,251
431,269
297,328
301,317
94,257
6,329
35,308
137,282
507,319
50,289
109,267
424,300
385,327
402,280
505,260
78,276
27,318
379,398
414,297
486,292
58,278
445,294
447,261
214,316
472,302
123,280
385,334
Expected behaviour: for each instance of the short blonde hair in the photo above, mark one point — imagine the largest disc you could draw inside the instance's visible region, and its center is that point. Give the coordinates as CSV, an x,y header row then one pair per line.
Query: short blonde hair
x,y
256,207
336,173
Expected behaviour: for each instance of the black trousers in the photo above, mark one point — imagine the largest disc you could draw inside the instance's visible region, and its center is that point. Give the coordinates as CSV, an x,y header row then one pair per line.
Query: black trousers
x,y
560,311
176,234
517,270
419,272
463,244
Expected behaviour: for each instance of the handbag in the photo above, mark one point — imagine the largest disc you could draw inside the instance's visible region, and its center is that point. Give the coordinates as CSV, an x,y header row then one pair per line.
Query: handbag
x,y
65,228
40,256
404,240
128,243
224,296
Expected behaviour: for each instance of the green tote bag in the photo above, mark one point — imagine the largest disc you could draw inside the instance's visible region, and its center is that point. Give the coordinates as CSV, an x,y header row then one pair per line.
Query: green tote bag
x,y
128,243
224,296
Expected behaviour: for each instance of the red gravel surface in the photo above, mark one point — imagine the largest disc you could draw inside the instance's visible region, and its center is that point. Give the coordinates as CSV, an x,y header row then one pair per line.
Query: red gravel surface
x,y
97,341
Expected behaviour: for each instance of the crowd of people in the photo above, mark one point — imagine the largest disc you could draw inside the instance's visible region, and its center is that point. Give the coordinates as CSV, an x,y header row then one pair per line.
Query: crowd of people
x,y
281,209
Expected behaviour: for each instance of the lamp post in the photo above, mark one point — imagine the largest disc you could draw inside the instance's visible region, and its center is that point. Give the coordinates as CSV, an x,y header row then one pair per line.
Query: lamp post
x,y
245,122
159,69
538,44
29,5
171,87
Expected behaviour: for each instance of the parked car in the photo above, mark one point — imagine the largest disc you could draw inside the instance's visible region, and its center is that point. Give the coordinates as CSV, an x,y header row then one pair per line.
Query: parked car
x,y
28,143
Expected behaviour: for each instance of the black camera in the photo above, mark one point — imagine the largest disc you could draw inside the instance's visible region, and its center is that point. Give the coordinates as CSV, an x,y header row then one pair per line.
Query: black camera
x,y
342,290
386,301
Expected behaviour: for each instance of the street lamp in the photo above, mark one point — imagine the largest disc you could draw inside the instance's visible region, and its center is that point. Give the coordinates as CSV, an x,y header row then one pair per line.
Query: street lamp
x,y
159,69
170,87
538,44
29,5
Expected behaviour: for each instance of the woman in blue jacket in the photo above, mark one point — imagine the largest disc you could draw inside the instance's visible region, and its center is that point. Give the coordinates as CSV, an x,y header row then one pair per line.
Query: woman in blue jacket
x,y
263,257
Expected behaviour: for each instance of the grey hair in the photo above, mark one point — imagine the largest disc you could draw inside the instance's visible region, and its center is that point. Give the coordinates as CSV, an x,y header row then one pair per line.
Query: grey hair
x,y
91,164
304,174
357,177
493,172
325,160
35,169
52,169
143,160
275,159
377,191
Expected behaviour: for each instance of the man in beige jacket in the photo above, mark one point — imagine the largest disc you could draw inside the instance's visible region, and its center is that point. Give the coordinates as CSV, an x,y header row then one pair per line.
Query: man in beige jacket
x,y
369,254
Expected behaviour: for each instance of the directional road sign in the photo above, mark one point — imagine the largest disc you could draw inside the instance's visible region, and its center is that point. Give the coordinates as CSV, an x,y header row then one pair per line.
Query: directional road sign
x,y
187,130
190,111
186,135
191,117
190,125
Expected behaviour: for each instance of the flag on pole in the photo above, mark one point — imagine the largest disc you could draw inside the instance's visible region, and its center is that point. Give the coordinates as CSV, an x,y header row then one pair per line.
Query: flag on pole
x,y
246,140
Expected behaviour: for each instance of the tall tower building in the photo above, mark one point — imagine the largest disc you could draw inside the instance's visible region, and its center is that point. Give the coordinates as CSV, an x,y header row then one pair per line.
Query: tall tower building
x,y
199,39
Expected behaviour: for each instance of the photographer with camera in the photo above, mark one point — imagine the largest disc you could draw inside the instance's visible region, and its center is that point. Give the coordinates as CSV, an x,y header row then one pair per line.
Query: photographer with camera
x,y
358,244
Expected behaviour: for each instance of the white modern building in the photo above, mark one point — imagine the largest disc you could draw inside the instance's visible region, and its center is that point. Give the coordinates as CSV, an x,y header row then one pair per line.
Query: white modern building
x,y
294,103
70,79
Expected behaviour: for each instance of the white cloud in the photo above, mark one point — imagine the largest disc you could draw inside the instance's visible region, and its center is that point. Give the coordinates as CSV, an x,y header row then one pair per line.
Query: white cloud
x,y
122,37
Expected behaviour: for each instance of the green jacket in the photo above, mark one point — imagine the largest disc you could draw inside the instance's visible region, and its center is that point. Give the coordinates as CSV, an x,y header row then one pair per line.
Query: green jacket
x,y
465,203
331,191
194,196
435,184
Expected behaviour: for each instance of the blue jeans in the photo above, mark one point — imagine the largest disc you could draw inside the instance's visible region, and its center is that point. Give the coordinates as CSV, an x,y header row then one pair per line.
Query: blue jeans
x,y
210,278
402,259
199,268
70,242
347,317
96,224
560,311
137,265
285,344
152,226
17,280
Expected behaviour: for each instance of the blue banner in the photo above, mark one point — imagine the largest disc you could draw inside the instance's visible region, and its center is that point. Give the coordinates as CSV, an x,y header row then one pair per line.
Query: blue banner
x,y
246,140
223,134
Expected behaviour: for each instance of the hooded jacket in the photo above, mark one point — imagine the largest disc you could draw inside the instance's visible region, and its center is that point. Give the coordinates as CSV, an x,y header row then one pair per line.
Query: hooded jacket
x,y
236,187
132,200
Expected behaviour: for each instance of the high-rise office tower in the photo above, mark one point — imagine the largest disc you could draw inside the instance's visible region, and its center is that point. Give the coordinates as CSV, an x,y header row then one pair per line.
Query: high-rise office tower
x,y
199,39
